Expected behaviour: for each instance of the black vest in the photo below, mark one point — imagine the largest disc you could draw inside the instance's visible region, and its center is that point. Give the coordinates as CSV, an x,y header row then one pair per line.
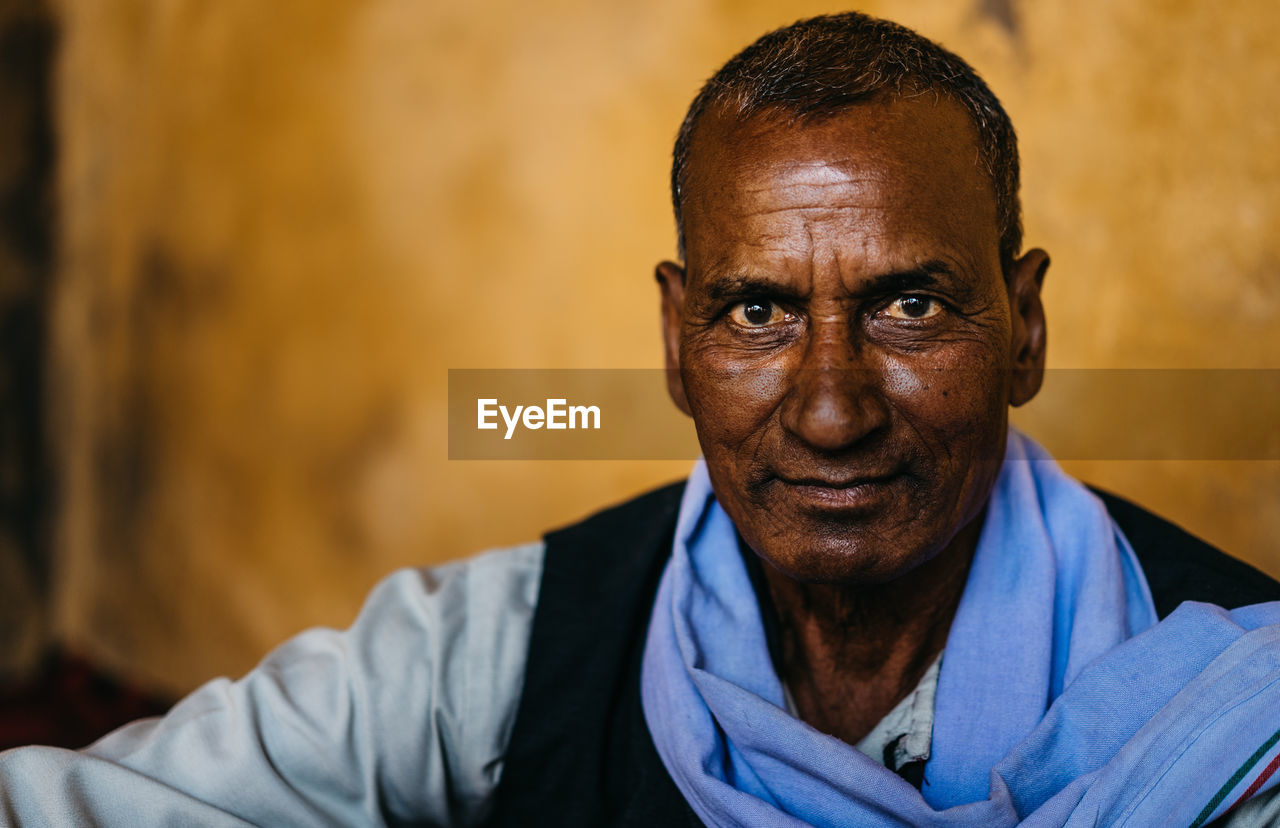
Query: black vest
x,y
581,754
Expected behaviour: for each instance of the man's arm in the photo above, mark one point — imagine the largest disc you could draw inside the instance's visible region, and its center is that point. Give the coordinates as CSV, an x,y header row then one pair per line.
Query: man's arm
x,y
404,716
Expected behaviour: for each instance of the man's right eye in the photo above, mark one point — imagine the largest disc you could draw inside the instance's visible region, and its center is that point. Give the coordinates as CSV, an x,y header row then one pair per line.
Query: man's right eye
x,y
757,313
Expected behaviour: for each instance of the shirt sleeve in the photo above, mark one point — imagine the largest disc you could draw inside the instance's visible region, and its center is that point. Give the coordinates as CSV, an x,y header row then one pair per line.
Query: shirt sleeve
x,y
403,717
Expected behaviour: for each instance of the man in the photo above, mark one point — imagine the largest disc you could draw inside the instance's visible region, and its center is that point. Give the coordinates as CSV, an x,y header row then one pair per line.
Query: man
x,y
871,603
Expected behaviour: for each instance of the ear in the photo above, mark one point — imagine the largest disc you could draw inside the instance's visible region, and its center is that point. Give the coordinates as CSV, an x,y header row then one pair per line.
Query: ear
x,y
670,278
1029,335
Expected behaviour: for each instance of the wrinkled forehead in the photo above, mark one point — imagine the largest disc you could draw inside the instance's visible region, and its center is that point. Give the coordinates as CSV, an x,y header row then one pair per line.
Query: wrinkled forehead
x,y
913,162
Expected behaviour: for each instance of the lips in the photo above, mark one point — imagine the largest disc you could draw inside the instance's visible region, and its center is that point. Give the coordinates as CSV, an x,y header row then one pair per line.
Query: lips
x,y
853,493
837,483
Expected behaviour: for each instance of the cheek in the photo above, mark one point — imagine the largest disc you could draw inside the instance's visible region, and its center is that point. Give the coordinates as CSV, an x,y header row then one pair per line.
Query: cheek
x,y
731,400
956,399
955,411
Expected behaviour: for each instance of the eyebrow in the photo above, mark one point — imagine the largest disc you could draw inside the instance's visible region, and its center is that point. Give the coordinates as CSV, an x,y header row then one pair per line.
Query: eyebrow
x,y
738,285
917,278
925,275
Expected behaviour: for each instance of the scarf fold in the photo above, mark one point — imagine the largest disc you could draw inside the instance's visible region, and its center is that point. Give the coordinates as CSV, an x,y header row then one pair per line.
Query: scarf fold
x,y
1060,700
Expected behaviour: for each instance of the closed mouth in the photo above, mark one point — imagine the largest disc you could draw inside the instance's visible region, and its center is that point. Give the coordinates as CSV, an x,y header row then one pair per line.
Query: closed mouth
x,y
850,493
838,483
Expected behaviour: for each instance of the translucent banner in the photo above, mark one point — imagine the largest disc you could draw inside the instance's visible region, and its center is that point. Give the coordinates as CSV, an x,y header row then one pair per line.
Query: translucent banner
x,y
1080,414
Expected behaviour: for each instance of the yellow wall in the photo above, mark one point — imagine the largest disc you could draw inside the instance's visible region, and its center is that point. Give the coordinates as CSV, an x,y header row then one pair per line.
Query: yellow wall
x,y
283,223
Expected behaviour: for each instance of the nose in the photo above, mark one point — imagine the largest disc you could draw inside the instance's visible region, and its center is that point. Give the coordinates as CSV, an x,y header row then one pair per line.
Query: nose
x,y
836,398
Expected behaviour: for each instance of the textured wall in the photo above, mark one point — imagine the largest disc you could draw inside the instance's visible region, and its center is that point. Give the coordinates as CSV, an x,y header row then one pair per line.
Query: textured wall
x,y
281,228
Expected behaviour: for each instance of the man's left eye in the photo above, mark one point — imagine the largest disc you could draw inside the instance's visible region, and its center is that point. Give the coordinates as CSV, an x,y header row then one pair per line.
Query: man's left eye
x,y
914,307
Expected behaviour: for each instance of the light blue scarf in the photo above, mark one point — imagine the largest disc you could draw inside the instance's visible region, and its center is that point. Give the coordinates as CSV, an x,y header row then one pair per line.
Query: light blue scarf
x,y
1061,701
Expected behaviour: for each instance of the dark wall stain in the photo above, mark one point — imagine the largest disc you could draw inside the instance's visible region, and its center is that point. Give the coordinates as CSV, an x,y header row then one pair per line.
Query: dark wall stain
x,y
1002,12
28,45
169,297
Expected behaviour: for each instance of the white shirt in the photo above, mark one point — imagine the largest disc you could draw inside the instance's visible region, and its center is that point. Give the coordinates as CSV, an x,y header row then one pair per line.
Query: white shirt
x,y
403,717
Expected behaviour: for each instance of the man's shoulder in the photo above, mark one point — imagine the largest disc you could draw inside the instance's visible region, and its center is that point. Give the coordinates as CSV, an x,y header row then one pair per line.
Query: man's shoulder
x,y
581,695
1181,567
616,552
651,513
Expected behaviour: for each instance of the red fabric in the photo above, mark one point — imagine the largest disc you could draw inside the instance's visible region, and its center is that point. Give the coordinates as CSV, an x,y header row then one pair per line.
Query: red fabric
x,y
70,703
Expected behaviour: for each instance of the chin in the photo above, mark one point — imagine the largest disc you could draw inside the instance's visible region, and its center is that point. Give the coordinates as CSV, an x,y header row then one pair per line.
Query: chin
x,y
850,558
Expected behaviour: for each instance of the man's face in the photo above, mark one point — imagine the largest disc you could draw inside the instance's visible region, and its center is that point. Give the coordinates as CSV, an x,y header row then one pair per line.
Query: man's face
x,y
844,337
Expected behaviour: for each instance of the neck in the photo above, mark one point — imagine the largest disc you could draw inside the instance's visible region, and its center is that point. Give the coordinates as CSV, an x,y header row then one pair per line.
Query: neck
x,y
850,653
